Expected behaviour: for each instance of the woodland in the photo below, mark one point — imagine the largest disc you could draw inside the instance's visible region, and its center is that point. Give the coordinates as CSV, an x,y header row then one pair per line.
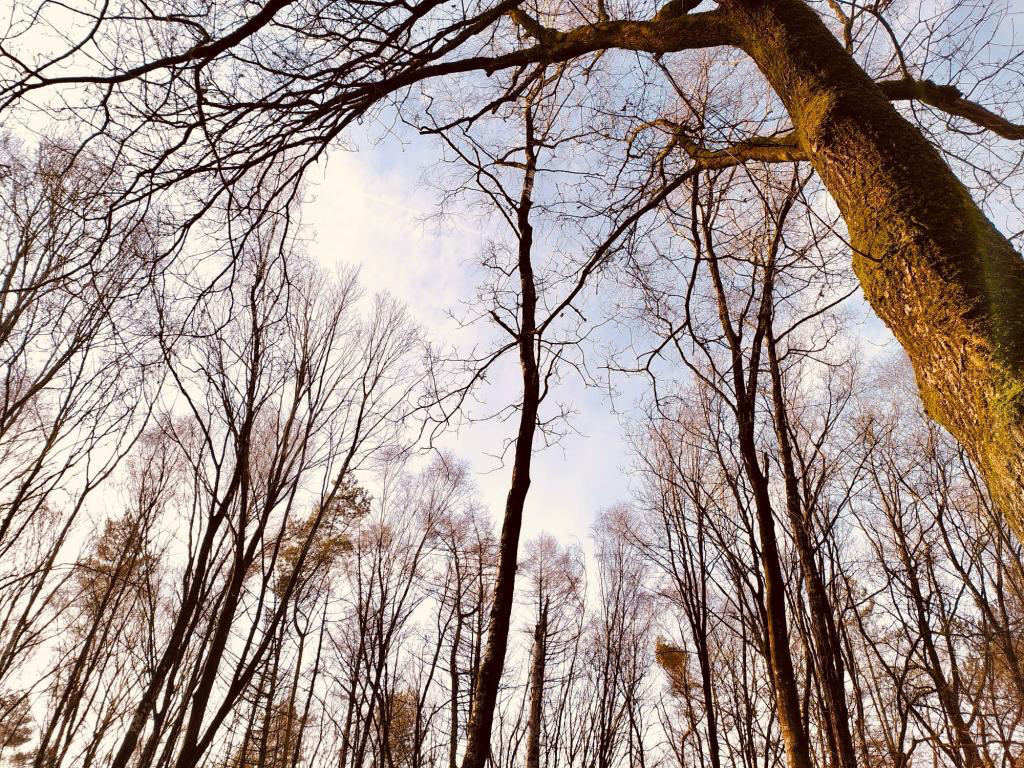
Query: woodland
x,y
236,528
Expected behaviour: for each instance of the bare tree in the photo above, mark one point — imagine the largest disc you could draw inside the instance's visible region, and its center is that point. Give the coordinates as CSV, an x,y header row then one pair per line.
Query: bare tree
x,y
195,407
932,264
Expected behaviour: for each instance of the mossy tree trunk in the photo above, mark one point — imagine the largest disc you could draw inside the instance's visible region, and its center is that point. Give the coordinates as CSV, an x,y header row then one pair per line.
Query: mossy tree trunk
x,y
934,268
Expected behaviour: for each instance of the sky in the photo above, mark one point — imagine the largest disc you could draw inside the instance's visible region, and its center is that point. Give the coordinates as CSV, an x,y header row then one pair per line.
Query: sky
x,y
370,209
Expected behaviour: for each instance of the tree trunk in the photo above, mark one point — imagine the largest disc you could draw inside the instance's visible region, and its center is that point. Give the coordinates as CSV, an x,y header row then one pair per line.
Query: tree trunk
x,y
540,633
453,673
948,695
780,660
485,694
779,656
828,652
934,268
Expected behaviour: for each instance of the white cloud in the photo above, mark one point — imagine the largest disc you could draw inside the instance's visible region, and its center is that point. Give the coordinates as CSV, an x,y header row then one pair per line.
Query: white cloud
x,y
369,211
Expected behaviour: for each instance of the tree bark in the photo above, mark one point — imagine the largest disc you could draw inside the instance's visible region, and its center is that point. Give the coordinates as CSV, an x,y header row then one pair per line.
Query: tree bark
x,y
934,268
744,384
453,673
780,660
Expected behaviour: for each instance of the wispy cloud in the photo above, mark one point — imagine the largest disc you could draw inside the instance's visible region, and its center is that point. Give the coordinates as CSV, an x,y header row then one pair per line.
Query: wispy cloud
x,y
370,211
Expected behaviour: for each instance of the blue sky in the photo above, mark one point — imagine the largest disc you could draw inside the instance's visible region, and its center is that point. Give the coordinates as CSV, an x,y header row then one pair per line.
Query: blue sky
x,y
370,209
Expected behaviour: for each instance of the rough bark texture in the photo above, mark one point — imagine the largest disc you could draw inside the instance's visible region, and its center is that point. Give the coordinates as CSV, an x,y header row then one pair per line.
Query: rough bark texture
x,y
933,267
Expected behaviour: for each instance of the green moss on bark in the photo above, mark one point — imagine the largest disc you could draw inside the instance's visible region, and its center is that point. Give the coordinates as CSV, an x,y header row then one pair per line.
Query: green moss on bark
x,y
934,268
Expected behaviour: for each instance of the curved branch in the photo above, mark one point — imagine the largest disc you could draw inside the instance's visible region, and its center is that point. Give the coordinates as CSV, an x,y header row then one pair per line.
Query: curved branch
x,y
949,99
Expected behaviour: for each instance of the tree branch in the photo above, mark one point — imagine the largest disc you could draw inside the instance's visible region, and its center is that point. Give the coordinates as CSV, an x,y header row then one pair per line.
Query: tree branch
x,y
687,32
763,149
949,99
204,51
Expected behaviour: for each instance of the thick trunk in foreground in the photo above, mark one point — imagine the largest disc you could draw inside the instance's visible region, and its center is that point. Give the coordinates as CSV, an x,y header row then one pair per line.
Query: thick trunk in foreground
x,y
934,268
